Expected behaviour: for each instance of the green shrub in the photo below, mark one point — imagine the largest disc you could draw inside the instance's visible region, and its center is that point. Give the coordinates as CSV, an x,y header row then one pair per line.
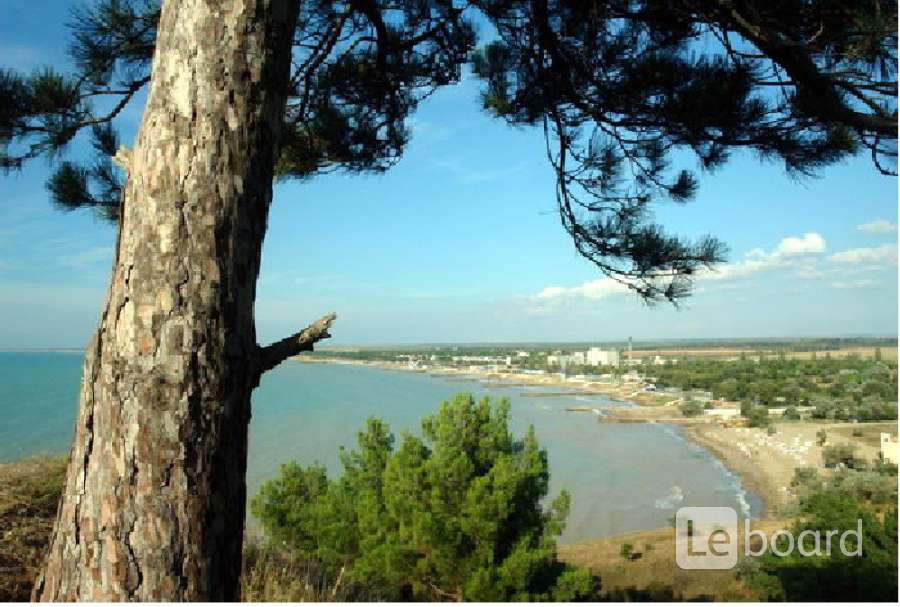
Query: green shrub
x,y
875,485
845,454
791,413
806,476
884,468
835,576
691,408
758,417
455,515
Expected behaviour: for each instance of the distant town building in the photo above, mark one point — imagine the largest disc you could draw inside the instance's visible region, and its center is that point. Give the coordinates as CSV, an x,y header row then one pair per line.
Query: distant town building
x,y
723,412
488,360
594,357
700,396
889,448
558,360
597,357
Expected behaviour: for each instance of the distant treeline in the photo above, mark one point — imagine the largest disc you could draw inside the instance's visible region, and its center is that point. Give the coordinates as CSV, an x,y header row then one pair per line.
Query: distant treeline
x,y
842,389
787,344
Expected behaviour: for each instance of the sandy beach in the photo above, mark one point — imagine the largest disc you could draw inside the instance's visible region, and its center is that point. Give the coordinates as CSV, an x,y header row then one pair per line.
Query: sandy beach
x,y
761,471
766,464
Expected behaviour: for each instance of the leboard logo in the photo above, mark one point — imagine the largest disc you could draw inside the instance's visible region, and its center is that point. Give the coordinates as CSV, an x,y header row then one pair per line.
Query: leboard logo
x,y
706,538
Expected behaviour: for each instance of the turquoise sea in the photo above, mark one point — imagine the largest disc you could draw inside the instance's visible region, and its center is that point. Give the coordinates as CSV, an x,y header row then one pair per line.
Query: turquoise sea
x,y
622,477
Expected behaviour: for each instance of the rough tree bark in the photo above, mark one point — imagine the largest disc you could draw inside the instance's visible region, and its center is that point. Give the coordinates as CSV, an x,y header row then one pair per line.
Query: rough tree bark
x,y
154,501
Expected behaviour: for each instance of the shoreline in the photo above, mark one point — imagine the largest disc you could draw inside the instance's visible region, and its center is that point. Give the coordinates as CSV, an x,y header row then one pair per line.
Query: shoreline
x,y
631,393
753,478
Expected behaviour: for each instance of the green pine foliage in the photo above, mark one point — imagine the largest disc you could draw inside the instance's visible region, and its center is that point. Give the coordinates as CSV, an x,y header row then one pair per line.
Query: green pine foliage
x,y
625,88
457,514
360,69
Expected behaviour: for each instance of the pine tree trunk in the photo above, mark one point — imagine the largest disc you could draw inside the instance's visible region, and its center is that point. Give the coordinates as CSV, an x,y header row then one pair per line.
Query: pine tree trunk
x,y
154,500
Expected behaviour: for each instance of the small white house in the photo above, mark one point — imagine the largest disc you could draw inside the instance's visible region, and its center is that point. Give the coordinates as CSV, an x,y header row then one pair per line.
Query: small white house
x,y
632,377
889,448
723,413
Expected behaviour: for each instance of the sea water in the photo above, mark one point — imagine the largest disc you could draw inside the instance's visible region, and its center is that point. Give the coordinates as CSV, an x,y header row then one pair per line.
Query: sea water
x,y
622,477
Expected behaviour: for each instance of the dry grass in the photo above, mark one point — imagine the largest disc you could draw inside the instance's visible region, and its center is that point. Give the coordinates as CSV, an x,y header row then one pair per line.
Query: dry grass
x,y
650,413
271,576
866,353
652,399
654,575
29,492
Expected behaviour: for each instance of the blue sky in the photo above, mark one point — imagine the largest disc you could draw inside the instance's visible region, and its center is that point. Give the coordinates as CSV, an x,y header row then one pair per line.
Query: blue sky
x,y
460,242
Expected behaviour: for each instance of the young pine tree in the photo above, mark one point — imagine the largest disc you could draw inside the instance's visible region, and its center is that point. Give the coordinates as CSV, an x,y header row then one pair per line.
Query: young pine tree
x,y
457,514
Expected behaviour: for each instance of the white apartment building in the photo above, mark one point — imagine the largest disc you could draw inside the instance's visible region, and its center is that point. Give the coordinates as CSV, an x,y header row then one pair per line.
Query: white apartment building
x,y
597,357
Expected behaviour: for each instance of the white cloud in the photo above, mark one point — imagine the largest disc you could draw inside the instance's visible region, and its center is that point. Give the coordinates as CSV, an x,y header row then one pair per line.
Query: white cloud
x,y
885,254
809,243
593,289
738,269
879,226
802,252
